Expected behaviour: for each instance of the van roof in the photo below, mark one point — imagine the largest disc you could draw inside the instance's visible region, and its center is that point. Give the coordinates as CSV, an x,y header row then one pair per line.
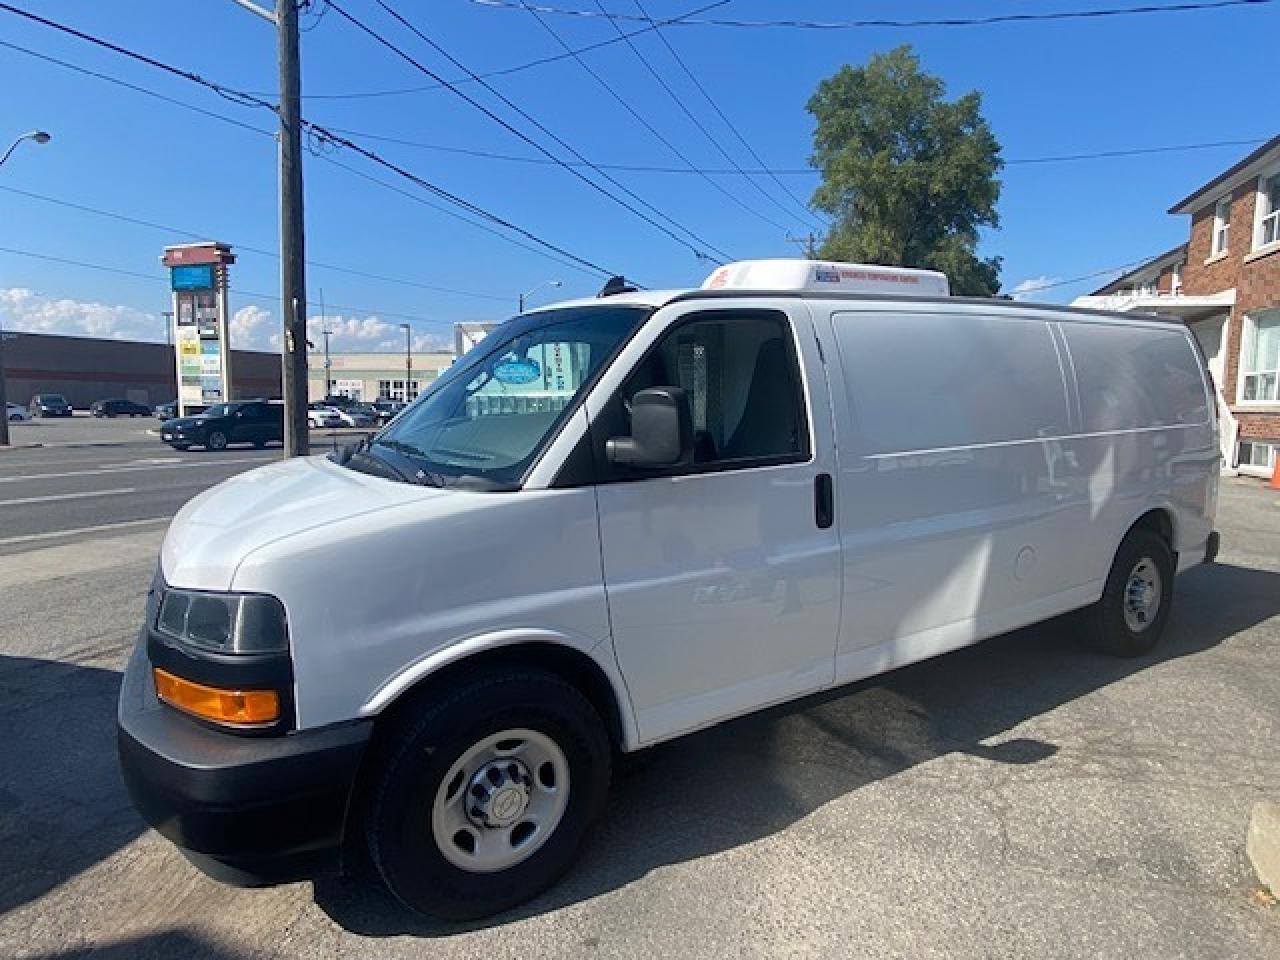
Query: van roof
x,y
660,298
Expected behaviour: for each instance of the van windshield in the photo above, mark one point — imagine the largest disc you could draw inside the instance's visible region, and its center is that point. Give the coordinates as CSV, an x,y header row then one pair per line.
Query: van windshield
x,y
483,423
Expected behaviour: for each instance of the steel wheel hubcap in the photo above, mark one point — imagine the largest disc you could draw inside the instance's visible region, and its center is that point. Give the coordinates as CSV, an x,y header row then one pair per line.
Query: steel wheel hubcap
x,y
1142,595
500,801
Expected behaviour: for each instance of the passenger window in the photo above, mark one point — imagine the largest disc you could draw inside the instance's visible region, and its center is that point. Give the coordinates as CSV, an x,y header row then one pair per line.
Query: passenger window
x,y
740,374
1131,378
922,381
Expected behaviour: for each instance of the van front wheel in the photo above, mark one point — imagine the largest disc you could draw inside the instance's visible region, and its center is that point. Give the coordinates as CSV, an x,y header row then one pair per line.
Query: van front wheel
x,y
1130,618
486,794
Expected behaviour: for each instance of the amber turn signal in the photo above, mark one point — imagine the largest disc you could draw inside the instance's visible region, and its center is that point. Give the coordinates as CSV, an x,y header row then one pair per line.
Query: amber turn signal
x,y
238,707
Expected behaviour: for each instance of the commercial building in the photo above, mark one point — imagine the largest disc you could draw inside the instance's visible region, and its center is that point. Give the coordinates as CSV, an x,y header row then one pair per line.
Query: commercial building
x,y
85,369
1224,283
374,376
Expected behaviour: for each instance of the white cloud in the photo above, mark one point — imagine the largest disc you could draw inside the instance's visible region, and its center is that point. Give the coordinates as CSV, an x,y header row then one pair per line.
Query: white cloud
x,y
27,311
1030,288
369,335
252,327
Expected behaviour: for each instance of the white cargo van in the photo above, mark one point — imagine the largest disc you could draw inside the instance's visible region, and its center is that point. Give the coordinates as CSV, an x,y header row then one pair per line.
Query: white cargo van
x,y
622,519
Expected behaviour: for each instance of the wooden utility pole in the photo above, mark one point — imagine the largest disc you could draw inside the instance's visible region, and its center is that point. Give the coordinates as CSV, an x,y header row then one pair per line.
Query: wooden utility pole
x,y
293,281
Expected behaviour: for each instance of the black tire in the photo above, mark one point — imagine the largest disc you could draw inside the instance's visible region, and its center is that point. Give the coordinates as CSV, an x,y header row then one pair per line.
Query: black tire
x,y
403,788
1108,629
216,441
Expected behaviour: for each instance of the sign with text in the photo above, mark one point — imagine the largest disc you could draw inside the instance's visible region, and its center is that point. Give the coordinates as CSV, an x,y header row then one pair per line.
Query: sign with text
x,y
192,277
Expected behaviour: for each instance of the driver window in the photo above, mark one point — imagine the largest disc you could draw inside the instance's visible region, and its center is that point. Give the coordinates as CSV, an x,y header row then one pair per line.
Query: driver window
x,y
743,383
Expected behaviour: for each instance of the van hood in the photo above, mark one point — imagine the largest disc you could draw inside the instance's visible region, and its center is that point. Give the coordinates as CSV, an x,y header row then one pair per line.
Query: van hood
x,y
213,534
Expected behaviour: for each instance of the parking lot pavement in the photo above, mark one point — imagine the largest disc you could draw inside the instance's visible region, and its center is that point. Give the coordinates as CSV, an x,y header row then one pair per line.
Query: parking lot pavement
x,y
1021,798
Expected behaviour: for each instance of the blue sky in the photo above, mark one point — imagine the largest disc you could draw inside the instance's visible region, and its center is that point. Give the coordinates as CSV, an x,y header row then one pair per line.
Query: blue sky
x,y
1048,89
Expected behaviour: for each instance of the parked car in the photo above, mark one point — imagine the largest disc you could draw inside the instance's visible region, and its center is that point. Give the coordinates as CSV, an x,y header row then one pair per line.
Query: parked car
x,y
257,422
353,416
49,405
323,415
16,412
788,481
115,407
387,410
166,411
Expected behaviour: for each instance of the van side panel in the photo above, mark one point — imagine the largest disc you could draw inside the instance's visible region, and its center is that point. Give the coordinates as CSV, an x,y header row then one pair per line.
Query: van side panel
x,y
1145,439
953,492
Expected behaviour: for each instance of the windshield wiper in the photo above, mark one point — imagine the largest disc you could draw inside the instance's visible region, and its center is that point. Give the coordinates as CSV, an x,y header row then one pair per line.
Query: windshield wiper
x,y
421,474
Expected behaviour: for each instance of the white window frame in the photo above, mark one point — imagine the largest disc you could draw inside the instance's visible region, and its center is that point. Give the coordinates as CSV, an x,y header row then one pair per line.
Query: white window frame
x,y
1249,332
1221,238
1175,281
1257,470
1261,220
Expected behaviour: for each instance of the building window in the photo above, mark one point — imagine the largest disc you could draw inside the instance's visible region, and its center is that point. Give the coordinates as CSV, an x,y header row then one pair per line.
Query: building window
x,y
394,390
1268,231
1260,358
1175,283
1221,226
1253,456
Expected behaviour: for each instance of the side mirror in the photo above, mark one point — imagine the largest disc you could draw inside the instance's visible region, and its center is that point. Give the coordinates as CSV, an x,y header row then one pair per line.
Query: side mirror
x,y
661,431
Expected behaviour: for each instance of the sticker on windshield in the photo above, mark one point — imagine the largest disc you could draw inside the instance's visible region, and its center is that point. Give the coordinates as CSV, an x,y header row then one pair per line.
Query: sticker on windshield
x,y
517,371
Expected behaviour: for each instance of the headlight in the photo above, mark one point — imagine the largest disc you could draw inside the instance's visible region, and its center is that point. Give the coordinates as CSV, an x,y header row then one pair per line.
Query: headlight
x,y
224,622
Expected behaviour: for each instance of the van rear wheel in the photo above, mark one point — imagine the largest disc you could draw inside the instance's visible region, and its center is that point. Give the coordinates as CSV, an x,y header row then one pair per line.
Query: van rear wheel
x,y
1130,618
486,794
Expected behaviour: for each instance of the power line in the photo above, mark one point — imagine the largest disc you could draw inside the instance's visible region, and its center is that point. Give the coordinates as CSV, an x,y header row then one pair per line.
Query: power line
x,y
446,211
515,68
645,123
1087,276
274,254
156,278
787,171
137,89
247,99
365,28
761,170
721,114
904,24
684,108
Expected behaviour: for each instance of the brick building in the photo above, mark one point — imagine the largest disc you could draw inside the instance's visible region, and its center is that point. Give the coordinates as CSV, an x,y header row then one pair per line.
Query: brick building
x,y
1224,283
85,369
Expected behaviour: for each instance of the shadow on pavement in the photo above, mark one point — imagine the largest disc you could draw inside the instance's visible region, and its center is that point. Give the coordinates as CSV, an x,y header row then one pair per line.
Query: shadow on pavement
x,y
63,806
753,777
170,945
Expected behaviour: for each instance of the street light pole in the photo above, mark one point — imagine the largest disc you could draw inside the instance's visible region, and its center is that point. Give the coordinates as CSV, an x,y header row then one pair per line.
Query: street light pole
x,y
36,136
408,359
167,316
528,293
328,380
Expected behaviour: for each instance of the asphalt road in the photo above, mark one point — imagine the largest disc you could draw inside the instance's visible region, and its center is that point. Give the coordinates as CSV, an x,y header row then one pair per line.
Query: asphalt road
x,y
1021,798
90,477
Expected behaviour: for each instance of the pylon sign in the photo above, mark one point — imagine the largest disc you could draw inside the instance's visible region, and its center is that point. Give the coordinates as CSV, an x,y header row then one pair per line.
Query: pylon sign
x,y
201,324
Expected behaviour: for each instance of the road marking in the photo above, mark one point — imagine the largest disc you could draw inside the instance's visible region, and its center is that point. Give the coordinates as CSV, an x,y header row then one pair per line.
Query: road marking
x,y
76,531
151,466
84,495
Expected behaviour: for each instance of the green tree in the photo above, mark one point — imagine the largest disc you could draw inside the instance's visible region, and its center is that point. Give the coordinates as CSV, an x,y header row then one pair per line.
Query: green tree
x,y
907,177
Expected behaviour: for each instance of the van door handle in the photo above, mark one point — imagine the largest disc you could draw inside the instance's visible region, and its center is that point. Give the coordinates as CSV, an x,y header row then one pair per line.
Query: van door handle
x,y
824,508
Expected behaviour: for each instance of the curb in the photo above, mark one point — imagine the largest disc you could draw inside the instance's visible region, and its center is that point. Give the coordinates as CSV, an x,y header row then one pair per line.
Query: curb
x,y
1262,844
